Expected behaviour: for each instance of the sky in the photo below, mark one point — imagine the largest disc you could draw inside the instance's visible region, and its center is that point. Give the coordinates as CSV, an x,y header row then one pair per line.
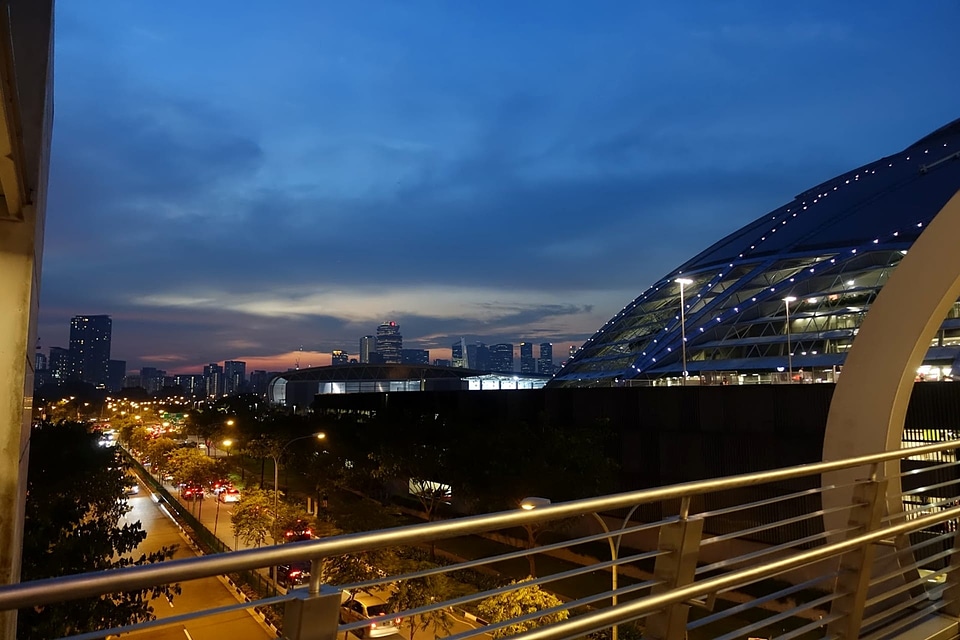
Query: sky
x,y
268,182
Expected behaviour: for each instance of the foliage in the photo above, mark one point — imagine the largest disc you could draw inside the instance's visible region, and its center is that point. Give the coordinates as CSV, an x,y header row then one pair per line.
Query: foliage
x,y
251,517
420,592
193,466
159,451
72,524
520,602
359,567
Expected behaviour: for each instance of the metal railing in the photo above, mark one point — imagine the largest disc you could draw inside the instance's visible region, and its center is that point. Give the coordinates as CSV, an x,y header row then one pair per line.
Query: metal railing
x,y
722,558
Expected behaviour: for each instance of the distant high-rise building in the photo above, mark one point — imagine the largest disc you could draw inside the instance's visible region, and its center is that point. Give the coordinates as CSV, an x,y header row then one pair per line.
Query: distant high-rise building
x,y
376,358
478,357
458,353
389,342
339,357
545,361
193,384
60,363
368,344
258,381
501,358
116,370
442,362
414,356
234,376
39,361
151,379
528,363
90,348
213,373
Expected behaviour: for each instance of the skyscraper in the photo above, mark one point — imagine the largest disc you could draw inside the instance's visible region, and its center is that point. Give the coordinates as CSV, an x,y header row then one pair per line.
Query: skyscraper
x,y
339,357
501,358
368,345
414,356
234,376
389,342
458,354
90,349
213,374
60,363
527,362
545,362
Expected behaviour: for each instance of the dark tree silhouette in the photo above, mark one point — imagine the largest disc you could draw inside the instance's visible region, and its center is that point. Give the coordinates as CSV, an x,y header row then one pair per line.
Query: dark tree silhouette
x,y
75,502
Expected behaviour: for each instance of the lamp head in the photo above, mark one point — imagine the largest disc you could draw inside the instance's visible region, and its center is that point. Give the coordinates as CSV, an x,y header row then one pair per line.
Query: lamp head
x,y
683,281
790,299
533,502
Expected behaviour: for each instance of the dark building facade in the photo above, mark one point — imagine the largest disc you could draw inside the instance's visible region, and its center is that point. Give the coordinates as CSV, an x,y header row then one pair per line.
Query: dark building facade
x,y
234,376
501,358
528,363
90,349
414,356
389,342
545,361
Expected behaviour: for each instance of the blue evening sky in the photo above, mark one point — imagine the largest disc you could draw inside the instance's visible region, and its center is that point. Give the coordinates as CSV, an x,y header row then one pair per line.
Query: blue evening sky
x,y
235,180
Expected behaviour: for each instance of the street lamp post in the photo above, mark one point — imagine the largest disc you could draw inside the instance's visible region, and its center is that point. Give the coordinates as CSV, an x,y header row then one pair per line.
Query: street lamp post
x,y
787,301
534,502
683,330
276,466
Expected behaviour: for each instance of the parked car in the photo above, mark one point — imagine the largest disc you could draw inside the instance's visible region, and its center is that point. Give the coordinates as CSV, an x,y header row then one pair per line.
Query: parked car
x,y
358,606
131,486
299,531
229,495
293,574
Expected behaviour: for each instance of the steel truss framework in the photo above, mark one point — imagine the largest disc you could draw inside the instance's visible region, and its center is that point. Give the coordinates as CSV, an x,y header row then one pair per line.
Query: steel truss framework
x,y
832,249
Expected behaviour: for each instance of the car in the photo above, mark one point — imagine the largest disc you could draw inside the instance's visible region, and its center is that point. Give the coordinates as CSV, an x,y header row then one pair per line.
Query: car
x,y
229,495
293,574
299,531
191,492
131,487
356,606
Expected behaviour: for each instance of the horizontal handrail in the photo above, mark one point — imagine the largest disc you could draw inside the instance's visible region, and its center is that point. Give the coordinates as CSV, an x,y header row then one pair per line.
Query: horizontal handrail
x,y
50,590
605,618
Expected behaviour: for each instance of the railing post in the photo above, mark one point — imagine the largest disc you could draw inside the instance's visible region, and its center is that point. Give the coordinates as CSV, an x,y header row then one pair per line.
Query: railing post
x,y
681,541
868,502
312,616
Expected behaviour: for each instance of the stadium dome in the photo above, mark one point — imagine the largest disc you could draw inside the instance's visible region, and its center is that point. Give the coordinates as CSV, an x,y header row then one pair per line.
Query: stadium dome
x,y
819,261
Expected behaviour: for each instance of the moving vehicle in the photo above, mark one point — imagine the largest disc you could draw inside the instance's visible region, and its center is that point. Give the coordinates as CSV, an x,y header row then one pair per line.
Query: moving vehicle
x,y
356,606
293,574
229,495
191,492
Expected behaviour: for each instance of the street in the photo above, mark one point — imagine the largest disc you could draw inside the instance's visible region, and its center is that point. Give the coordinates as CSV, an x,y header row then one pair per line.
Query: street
x,y
205,593
152,517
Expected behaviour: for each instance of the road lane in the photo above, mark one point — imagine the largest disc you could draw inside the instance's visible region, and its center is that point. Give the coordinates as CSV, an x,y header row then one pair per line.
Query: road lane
x,y
200,594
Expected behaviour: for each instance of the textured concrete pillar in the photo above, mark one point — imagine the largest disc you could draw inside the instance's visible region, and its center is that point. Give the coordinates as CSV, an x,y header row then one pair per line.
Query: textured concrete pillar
x,y
26,116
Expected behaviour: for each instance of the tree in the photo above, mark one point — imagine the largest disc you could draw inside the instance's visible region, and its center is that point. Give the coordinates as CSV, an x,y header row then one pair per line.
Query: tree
x,y
251,517
75,500
521,602
192,466
159,451
420,592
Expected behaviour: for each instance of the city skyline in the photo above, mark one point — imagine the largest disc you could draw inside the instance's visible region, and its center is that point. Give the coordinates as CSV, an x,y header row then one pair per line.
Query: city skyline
x,y
458,172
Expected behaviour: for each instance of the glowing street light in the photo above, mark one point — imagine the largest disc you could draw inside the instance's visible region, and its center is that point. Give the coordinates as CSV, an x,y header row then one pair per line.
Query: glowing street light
x,y
276,465
787,301
683,330
533,502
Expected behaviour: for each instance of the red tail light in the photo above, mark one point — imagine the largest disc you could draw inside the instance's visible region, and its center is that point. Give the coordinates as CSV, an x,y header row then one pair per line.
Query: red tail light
x,y
295,573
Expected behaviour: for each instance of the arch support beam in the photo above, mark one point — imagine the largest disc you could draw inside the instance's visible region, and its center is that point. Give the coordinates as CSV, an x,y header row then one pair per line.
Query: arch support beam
x,y
870,402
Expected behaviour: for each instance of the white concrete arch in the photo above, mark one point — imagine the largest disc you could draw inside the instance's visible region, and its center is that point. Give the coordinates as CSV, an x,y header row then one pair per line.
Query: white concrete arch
x,y
870,402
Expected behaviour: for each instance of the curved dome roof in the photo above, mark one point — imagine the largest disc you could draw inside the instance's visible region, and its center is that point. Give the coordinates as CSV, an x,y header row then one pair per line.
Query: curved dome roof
x,y
832,247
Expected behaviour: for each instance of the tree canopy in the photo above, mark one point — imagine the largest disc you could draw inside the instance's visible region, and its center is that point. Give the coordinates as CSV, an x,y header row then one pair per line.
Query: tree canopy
x,y
73,524
521,602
